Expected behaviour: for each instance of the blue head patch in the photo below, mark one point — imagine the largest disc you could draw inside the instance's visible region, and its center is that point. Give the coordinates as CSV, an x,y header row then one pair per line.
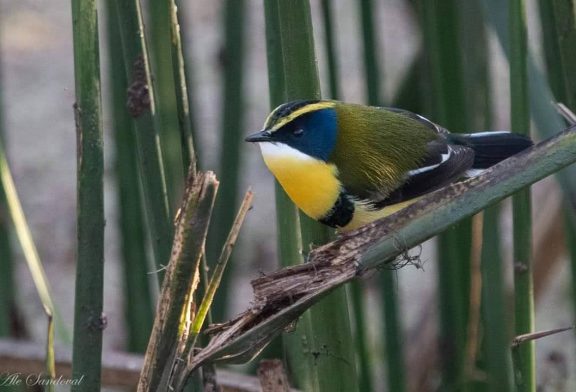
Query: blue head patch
x,y
312,133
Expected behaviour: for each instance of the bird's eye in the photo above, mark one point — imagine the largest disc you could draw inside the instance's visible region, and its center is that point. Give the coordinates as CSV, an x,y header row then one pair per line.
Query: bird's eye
x,y
298,132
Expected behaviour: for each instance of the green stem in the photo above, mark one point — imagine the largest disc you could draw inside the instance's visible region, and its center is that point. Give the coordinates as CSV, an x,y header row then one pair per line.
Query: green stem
x,y
524,361
330,46
395,364
161,64
141,106
360,336
325,353
7,292
183,102
138,306
89,321
388,288
232,120
544,112
559,36
371,49
497,339
289,240
442,40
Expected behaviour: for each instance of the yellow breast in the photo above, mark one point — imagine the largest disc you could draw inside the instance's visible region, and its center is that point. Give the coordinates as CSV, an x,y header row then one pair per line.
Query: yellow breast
x,y
311,183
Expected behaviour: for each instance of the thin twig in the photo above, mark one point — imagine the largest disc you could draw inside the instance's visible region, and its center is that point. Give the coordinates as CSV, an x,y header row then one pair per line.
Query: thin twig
x,y
518,340
566,113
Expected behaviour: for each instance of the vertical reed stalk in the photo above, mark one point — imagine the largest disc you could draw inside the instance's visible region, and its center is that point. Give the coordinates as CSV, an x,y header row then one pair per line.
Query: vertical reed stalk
x,y
496,339
289,240
89,321
325,343
141,107
524,366
388,287
138,305
441,31
7,292
183,101
369,41
330,47
393,337
356,290
161,64
232,120
559,36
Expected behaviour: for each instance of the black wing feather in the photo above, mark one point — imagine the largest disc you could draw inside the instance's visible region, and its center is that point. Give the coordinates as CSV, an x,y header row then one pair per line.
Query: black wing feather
x,y
436,171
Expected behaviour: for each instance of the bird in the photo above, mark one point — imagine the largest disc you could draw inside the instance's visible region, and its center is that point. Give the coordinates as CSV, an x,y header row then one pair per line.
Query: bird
x,y
346,165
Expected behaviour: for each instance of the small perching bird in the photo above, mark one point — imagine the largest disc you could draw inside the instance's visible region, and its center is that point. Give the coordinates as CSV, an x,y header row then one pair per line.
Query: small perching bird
x,y
346,165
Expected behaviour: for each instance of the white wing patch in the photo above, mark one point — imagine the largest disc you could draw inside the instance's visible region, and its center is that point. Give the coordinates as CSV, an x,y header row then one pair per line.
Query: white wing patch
x,y
424,169
482,134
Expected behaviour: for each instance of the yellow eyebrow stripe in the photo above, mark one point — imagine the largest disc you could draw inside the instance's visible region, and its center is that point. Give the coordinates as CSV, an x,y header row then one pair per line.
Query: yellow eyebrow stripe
x,y
297,113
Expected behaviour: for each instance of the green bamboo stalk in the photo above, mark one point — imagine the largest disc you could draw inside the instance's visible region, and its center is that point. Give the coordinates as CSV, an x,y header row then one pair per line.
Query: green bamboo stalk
x,y
232,119
496,337
161,64
183,101
356,291
330,49
570,233
7,290
394,339
363,353
328,363
559,35
441,33
89,321
388,282
409,95
188,61
289,239
332,355
475,66
524,357
138,306
370,46
141,106
544,112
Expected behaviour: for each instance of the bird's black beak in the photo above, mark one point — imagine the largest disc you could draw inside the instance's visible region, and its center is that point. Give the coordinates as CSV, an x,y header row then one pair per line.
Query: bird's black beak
x,y
262,136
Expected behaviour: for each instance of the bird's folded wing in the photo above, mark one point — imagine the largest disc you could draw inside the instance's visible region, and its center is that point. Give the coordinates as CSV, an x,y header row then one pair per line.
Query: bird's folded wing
x,y
443,164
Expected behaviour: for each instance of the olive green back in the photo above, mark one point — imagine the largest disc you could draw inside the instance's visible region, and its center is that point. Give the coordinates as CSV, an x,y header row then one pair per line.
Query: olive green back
x,y
375,148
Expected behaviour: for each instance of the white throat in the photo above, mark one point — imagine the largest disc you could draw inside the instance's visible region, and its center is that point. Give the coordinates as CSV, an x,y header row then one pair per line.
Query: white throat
x,y
282,151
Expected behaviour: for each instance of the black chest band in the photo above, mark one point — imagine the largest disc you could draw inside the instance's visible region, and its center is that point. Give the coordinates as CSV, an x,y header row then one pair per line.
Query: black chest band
x,y
341,213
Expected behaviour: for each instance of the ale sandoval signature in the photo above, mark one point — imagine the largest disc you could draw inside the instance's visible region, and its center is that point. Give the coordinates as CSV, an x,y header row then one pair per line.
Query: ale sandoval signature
x,y
15,379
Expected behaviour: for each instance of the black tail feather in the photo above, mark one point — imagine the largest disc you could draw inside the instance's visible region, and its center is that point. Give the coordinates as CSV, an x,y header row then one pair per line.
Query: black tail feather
x,y
491,147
